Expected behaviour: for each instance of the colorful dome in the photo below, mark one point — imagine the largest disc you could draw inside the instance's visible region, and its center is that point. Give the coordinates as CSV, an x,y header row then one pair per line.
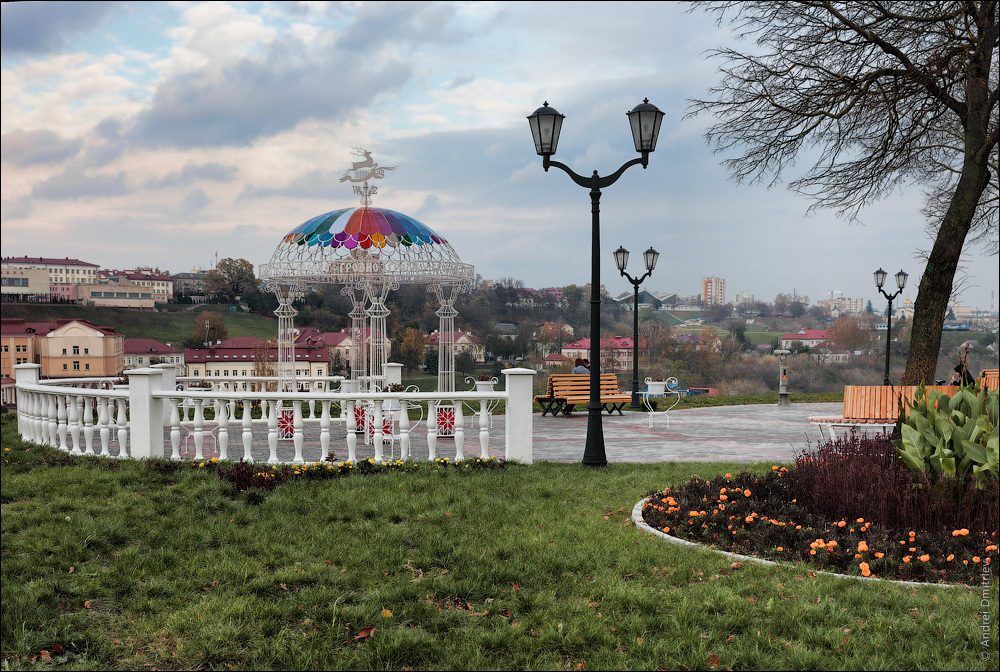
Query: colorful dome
x,y
352,244
364,228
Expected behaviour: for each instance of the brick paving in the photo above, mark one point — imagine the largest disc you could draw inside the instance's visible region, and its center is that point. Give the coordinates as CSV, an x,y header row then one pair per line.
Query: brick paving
x,y
716,434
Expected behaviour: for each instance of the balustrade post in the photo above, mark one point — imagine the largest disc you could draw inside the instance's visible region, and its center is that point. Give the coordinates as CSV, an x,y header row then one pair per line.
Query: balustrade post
x,y
297,435
484,433
88,425
272,430
73,415
352,430
518,440
404,430
222,420
378,433
62,410
146,412
459,432
247,432
324,430
26,374
175,429
432,431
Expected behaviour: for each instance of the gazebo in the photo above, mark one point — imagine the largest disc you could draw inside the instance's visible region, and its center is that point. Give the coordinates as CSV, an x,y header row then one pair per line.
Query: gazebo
x,y
370,251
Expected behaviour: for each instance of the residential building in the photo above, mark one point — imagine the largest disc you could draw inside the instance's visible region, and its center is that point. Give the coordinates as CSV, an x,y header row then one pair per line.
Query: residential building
x,y
144,352
808,337
465,343
713,291
63,348
189,283
840,306
617,350
829,353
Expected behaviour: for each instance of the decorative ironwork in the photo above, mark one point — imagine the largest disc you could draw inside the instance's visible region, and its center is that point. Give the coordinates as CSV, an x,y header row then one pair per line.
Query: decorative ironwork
x,y
371,251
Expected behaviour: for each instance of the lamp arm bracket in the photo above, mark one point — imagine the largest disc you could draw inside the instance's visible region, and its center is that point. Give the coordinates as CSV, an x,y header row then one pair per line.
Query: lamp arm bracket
x,y
594,181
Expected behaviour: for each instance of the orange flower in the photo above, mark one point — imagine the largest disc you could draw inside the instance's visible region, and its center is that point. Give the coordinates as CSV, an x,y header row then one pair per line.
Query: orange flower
x,y
749,519
991,547
879,555
865,569
975,558
950,557
862,546
924,558
861,520
722,491
666,529
780,549
774,468
723,497
812,552
960,533
907,558
729,475
746,493
912,550
841,524
857,555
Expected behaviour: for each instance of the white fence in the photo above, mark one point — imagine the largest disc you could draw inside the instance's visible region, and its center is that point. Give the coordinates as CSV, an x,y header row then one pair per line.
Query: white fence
x,y
149,418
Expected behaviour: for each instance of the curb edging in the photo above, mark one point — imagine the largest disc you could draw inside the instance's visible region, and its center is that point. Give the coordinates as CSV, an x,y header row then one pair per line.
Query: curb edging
x,y
642,525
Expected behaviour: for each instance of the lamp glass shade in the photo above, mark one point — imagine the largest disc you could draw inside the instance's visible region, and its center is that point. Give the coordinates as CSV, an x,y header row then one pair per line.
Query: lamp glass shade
x,y
621,258
645,120
650,256
545,124
901,279
880,278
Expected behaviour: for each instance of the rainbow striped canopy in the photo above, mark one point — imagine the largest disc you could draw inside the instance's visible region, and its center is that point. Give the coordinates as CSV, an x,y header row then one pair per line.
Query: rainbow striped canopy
x,y
365,228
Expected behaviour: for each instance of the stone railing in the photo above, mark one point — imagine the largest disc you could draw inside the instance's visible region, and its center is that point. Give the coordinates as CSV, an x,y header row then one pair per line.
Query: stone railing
x,y
150,417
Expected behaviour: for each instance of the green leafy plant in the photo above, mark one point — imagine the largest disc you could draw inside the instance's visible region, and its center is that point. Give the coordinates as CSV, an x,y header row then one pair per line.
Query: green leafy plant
x,y
954,435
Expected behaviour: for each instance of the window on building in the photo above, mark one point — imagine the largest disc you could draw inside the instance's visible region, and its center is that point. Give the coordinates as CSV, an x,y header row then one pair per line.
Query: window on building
x,y
86,351
64,351
65,367
76,366
87,367
76,349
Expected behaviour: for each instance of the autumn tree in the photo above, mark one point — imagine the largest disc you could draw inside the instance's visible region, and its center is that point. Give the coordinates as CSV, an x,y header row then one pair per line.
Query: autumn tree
x,y
411,348
875,95
851,334
231,278
208,328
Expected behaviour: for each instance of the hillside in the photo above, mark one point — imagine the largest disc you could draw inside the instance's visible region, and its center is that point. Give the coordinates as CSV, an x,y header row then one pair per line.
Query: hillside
x,y
174,327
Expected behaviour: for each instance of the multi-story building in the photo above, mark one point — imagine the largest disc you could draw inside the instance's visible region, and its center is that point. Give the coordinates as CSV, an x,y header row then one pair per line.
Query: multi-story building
x,y
247,356
63,348
713,291
149,280
143,352
189,283
841,306
807,337
66,270
24,285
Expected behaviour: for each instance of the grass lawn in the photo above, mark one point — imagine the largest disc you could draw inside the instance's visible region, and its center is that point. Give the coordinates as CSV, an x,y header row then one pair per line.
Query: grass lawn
x,y
123,565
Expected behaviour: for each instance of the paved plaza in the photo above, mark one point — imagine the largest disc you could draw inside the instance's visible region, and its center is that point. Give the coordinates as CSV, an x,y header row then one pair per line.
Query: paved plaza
x,y
717,434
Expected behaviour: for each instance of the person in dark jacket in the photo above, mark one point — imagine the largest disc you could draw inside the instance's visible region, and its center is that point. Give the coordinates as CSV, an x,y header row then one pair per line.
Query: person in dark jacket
x,y
962,376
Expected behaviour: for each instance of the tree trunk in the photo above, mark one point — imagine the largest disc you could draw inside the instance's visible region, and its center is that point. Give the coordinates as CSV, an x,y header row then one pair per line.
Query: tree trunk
x,y
936,284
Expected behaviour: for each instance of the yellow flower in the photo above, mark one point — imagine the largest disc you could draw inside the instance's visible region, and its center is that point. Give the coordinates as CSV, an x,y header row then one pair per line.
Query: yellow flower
x,y
386,613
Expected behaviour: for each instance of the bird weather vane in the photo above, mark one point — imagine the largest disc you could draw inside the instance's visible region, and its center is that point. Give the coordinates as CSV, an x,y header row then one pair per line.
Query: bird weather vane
x,y
362,171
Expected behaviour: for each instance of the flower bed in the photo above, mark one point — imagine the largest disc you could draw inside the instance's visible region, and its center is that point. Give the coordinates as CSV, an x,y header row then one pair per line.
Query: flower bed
x,y
846,508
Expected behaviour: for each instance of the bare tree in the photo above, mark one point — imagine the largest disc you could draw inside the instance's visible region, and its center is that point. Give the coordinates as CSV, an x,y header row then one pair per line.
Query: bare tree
x,y
881,94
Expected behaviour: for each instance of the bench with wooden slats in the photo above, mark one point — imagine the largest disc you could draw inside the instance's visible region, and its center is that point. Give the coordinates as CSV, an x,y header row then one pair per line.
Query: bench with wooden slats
x,y
873,407
990,379
564,391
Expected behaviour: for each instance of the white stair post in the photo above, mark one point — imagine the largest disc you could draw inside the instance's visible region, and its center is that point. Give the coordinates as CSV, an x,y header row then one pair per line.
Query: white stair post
x,y
145,412
518,441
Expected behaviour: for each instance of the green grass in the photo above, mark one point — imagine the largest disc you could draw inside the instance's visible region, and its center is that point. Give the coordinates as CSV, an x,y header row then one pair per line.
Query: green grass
x,y
114,565
175,327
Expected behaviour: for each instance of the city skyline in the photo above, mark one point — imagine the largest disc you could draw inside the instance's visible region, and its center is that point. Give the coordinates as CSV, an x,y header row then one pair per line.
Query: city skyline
x,y
158,134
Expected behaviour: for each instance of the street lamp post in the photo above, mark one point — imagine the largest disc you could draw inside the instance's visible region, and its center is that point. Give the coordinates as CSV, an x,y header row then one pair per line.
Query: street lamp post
x,y
621,259
546,125
900,283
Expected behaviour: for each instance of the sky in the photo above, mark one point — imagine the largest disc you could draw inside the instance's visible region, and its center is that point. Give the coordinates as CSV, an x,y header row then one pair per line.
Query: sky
x,y
172,134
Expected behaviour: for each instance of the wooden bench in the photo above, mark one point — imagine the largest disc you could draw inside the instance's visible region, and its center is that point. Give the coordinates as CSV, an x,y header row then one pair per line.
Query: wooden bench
x,y
873,407
990,379
566,390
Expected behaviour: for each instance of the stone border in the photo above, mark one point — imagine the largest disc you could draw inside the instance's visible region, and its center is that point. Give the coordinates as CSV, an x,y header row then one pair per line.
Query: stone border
x,y
641,524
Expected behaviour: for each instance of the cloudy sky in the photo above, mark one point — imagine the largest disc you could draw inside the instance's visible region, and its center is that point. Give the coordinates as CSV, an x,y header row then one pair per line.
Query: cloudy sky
x,y
164,134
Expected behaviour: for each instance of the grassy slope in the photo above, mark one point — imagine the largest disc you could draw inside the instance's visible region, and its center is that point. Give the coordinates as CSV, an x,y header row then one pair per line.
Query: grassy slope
x,y
532,568
175,327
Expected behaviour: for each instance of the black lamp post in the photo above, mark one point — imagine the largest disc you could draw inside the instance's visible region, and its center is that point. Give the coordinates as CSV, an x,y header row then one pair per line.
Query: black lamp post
x,y
546,125
621,259
900,283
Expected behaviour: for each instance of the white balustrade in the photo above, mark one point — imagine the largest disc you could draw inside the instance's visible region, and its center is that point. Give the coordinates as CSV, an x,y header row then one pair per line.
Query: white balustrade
x,y
142,416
